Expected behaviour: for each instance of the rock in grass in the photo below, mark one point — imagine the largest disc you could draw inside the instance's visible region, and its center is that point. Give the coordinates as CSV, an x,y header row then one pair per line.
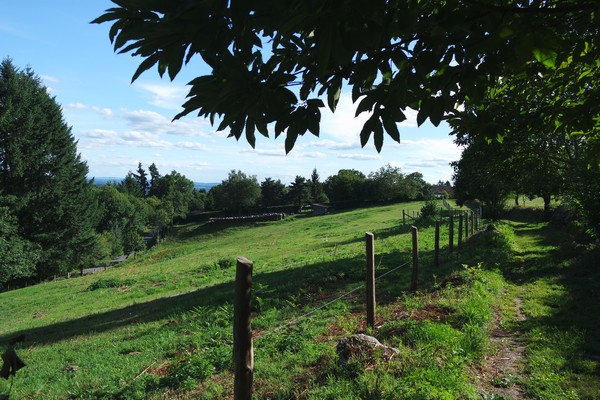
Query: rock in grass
x,y
361,346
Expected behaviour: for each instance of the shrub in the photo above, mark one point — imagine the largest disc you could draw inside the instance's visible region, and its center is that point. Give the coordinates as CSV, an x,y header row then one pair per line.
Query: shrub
x,y
105,283
429,209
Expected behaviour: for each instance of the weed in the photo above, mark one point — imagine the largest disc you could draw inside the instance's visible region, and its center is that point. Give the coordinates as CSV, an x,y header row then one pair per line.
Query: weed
x,y
185,373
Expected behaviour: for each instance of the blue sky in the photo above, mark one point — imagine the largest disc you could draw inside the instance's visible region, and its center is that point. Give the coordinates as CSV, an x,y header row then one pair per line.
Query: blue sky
x,y
117,124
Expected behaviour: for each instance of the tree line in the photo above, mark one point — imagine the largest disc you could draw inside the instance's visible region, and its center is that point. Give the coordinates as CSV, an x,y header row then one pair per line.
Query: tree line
x,y
517,80
53,220
240,193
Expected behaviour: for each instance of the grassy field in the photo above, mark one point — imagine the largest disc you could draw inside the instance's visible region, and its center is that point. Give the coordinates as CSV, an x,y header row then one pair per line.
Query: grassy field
x,y
159,326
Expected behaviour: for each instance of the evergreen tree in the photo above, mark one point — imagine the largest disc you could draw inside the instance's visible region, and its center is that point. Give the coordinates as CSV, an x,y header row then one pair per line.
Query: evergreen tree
x,y
142,179
299,192
154,179
18,257
130,185
316,188
39,165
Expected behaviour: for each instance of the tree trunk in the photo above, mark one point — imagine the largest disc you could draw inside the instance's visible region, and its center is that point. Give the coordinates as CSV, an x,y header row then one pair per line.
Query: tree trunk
x,y
546,206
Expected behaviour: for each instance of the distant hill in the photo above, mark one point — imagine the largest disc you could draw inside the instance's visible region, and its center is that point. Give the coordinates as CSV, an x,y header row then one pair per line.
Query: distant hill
x,y
204,185
103,180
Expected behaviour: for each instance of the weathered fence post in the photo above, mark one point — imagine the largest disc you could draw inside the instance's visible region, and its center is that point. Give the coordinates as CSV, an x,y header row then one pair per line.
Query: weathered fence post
x,y
451,233
403,218
243,352
436,255
415,256
466,225
460,229
370,243
472,223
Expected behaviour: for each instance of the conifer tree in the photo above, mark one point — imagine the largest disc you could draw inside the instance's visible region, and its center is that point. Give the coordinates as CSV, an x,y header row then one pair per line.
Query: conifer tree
x,y
39,166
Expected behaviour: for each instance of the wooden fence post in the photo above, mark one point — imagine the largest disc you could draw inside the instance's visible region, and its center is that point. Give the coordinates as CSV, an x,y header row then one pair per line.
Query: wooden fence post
x,y
451,234
436,255
370,244
472,223
466,225
403,218
415,256
243,352
460,229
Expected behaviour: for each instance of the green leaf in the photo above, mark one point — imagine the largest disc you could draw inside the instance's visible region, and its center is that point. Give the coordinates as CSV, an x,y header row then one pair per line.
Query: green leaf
x,y
290,139
546,57
365,133
145,65
250,133
423,111
323,47
391,128
176,61
333,94
365,104
377,134
436,113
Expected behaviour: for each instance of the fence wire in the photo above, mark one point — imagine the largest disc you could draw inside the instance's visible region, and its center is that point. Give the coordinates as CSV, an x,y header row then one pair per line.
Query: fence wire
x,y
306,315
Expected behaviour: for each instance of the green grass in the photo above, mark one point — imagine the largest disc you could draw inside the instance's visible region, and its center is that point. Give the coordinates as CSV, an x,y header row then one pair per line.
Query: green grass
x,y
160,326
557,281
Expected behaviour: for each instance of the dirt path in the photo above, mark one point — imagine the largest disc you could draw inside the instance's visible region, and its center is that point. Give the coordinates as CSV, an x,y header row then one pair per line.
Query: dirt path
x,y
500,375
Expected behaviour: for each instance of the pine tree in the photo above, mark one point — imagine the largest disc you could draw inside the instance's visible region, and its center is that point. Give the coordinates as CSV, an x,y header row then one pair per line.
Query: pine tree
x,y
40,167
142,179
154,179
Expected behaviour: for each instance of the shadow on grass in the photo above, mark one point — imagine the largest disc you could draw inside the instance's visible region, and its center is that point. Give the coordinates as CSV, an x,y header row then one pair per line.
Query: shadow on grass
x,y
331,277
553,256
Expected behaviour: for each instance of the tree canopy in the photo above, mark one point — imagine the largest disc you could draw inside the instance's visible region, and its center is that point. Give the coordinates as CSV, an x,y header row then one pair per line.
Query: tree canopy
x,y
274,61
44,176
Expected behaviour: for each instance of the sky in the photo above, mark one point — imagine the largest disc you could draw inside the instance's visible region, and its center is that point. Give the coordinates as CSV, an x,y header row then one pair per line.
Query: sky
x,y
118,124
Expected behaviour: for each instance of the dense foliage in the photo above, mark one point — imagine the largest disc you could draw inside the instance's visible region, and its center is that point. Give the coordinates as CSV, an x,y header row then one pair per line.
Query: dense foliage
x,y
514,143
430,56
138,206
43,181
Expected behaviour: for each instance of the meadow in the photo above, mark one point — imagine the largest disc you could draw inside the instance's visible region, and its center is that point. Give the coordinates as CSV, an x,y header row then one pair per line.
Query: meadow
x,y
160,325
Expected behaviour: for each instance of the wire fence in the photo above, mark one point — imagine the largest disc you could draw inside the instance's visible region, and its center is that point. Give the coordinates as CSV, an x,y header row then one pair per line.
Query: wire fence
x,y
327,304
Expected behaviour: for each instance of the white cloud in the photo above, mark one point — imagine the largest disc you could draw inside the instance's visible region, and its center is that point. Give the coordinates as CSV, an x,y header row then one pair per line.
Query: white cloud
x,y
99,134
51,79
106,112
280,152
411,119
138,136
342,125
360,157
169,97
150,121
76,106
264,152
191,146
334,145
345,127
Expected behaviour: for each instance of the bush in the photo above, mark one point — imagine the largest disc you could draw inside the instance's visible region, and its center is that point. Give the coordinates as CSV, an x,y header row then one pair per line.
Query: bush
x,y
429,209
110,283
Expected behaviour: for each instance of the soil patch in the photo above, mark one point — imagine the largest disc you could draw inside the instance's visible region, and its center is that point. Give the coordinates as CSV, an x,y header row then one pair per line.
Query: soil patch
x,y
501,374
